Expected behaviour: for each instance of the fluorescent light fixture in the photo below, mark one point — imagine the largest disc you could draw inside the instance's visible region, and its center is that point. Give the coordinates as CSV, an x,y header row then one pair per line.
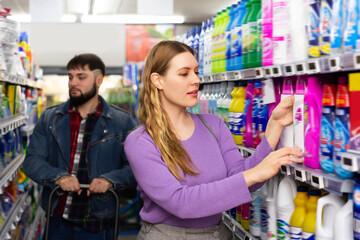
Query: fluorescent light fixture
x,y
133,19
26,18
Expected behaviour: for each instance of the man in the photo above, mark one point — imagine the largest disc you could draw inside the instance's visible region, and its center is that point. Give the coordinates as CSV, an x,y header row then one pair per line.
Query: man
x,y
81,142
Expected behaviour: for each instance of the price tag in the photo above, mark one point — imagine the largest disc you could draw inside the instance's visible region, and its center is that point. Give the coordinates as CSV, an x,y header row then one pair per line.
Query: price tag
x,y
300,175
201,79
238,75
285,170
334,63
317,181
267,72
350,162
276,71
223,77
210,78
313,66
289,70
300,68
357,60
259,73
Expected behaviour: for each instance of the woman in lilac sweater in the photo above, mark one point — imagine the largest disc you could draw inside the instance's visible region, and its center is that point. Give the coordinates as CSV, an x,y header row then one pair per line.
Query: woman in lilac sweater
x,y
189,173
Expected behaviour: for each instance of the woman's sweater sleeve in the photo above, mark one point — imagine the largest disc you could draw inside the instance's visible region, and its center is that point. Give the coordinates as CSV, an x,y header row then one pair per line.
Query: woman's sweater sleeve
x,y
157,182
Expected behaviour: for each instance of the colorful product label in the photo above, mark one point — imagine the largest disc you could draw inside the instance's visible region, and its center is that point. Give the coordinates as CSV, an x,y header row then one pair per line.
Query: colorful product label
x,y
313,29
351,26
252,37
308,236
296,233
238,123
325,26
264,221
327,138
255,120
341,140
255,209
236,42
283,226
356,200
336,26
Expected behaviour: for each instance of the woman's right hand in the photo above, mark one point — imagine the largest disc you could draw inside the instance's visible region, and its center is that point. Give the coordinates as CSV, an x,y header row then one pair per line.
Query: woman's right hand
x,y
270,165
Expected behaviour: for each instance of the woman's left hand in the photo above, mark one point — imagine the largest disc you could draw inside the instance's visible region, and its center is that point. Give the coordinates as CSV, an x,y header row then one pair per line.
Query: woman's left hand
x,y
283,113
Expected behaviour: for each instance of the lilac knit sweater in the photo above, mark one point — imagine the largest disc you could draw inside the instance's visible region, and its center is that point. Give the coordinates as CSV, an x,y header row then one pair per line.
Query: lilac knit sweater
x,y
198,201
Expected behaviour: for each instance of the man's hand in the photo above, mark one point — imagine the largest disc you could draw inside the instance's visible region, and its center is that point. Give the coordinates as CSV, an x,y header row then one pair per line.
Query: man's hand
x,y
69,184
99,185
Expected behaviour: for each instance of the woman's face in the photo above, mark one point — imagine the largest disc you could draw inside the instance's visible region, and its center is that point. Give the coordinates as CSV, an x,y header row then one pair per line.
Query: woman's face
x,y
180,84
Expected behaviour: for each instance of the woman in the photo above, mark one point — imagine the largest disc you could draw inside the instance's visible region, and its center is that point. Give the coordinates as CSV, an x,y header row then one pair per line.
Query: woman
x,y
188,173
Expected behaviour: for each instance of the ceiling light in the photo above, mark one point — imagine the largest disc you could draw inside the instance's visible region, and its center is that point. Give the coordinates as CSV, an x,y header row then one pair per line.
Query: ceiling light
x,y
78,6
26,18
133,19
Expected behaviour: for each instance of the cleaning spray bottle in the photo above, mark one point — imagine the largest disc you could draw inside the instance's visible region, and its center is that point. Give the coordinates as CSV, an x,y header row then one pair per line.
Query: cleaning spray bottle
x,y
287,135
298,113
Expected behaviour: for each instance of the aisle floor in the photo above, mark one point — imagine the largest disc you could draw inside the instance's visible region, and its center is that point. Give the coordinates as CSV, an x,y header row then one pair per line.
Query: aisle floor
x,y
127,237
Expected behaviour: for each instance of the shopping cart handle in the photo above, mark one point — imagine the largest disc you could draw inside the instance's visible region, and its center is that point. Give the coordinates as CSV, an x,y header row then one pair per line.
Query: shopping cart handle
x,y
82,186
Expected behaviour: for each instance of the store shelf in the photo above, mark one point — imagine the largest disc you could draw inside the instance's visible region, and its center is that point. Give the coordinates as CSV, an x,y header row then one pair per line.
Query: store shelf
x,y
27,131
32,229
10,123
350,160
314,177
13,218
10,171
238,231
20,80
343,62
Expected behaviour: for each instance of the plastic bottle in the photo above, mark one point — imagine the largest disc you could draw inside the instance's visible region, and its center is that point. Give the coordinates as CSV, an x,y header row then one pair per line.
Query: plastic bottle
x,y
271,202
281,31
287,135
263,115
313,99
326,211
336,32
309,224
245,36
215,43
234,40
356,206
327,128
245,216
227,101
285,206
196,46
239,115
201,48
298,13
344,222
351,36
223,41
313,28
237,38
298,113
277,92
258,59
267,32
299,214
191,38
219,101
263,211
255,113
228,35
208,46
231,114
342,126
252,36
325,26
249,95
238,213
255,213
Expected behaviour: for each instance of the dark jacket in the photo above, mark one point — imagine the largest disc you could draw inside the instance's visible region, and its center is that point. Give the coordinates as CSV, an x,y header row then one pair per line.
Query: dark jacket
x,y
48,154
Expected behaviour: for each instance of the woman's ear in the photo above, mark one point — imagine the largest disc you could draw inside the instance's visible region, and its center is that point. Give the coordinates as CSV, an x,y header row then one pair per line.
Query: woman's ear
x,y
156,80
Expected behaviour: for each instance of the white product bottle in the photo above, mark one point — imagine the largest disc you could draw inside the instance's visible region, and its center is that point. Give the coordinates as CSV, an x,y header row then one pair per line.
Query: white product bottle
x,y
298,13
285,206
281,31
326,211
344,223
273,184
298,113
287,135
255,213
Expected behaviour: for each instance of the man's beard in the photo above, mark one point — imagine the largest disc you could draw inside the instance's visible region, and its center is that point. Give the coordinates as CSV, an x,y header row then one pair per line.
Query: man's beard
x,y
83,98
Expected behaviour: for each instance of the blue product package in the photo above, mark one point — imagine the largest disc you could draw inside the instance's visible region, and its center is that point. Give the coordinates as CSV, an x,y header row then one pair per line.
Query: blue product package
x,y
341,140
356,209
351,32
325,26
337,22
313,29
327,138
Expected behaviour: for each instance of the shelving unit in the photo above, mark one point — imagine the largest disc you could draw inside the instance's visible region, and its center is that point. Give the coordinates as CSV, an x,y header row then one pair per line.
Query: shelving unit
x,y
33,227
344,62
234,226
10,123
10,171
13,217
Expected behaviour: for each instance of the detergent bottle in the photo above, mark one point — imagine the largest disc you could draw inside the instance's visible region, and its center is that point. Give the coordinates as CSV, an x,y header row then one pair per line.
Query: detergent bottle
x,y
309,224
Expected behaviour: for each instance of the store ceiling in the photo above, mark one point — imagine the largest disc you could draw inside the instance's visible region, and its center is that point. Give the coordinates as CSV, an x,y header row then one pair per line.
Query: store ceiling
x,y
194,11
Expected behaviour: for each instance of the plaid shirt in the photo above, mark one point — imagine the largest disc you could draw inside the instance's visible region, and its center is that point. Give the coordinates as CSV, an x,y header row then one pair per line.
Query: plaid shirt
x,y
75,208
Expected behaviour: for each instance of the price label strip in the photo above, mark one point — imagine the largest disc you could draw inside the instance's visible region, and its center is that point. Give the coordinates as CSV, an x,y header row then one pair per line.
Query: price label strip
x,y
300,175
276,71
267,72
350,161
289,70
285,170
334,63
317,181
313,66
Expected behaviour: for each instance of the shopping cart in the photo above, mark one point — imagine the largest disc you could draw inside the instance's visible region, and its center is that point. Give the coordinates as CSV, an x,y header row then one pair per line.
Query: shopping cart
x,y
84,187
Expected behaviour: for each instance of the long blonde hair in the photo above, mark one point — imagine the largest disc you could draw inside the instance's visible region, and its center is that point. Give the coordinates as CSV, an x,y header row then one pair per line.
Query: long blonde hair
x,y
152,114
